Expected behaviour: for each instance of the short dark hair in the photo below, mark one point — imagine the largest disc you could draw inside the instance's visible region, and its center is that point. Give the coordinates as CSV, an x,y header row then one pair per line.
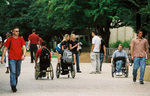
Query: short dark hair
x,y
99,34
14,28
33,30
139,31
44,43
95,32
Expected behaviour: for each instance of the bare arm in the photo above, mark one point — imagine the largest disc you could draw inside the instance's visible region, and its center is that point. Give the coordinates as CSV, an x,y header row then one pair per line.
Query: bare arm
x,y
147,50
99,47
24,52
73,46
132,53
104,50
36,59
28,44
4,52
92,47
112,61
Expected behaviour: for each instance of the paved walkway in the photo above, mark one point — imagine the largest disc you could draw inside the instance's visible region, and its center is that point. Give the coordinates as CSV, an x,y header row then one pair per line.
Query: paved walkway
x,y
84,84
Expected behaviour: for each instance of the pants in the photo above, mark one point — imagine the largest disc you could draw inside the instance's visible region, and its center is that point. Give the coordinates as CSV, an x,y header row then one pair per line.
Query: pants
x,y
139,62
15,68
33,48
95,61
101,60
77,60
119,65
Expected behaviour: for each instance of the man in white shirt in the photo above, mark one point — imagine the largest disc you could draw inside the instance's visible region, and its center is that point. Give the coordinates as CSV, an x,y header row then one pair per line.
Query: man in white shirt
x,y
95,50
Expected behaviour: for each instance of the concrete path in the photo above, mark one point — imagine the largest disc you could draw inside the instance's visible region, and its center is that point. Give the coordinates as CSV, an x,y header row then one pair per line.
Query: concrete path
x,y
84,84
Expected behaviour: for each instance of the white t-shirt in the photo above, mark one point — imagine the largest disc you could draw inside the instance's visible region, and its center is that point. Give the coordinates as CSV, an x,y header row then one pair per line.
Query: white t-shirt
x,y
96,41
0,38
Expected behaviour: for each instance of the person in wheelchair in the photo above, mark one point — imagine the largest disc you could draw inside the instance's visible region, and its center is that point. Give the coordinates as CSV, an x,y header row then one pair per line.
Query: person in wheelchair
x,y
64,66
116,54
45,58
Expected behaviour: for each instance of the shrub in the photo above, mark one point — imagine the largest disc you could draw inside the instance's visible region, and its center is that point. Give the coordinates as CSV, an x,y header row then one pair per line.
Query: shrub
x,y
125,44
84,43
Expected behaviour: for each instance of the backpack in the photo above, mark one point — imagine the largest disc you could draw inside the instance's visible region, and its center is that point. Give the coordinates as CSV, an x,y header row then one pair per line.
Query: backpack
x,y
58,47
67,57
45,57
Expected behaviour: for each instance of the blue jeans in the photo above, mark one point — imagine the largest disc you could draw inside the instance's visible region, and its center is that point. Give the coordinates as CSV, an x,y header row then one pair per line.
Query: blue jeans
x,y
77,60
119,65
101,60
139,62
15,68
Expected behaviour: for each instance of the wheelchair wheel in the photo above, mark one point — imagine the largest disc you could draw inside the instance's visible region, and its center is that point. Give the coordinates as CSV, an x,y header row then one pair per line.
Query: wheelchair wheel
x,y
126,71
112,71
36,74
51,71
73,71
57,71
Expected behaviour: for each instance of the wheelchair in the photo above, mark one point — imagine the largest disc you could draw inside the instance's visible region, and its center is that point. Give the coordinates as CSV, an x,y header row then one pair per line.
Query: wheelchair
x,y
124,68
69,68
44,68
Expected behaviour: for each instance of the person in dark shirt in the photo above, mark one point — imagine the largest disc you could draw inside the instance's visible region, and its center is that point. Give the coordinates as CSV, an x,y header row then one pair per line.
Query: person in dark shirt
x,y
102,51
74,47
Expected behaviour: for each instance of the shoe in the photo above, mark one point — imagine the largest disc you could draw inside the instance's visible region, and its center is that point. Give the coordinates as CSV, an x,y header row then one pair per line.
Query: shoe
x,y
117,73
120,73
7,71
31,62
78,71
141,82
14,88
93,72
98,72
134,79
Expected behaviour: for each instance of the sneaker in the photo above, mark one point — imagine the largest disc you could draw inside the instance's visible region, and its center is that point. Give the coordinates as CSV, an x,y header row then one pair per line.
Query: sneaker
x,y
7,71
14,88
134,79
117,73
78,71
98,72
93,72
141,82
120,73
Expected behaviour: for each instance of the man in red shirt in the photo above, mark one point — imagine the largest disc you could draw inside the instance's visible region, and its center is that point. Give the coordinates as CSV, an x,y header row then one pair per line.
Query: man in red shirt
x,y
33,40
17,50
38,55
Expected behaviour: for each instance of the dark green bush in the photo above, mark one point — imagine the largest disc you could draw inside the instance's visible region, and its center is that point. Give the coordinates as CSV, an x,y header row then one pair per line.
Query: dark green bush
x,y
84,43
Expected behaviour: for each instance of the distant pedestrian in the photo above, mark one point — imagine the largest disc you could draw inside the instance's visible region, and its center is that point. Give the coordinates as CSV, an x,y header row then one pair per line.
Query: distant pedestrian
x,y
139,46
102,51
40,41
33,41
95,50
8,34
80,47
74,47
17,52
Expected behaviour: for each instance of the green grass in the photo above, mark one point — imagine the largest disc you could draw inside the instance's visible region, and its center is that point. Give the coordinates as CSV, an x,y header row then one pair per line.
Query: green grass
x,y
148,62
54,56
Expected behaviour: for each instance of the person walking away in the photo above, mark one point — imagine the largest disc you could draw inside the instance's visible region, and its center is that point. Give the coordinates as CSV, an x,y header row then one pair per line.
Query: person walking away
x,y
119,53
102,51
17,52
139,46
38,55
74,47
33,41
8,34
95,49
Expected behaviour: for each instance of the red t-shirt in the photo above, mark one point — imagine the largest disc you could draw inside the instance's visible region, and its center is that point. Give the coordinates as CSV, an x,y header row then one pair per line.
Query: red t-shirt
x,y
38,53
15,47
41,40
33,38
